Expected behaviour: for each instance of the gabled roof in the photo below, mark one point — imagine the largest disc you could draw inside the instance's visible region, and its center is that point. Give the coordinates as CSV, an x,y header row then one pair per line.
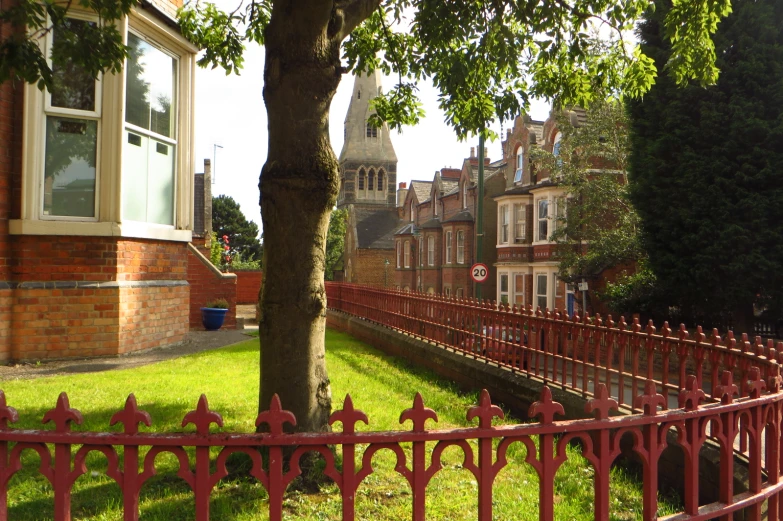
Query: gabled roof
x,y
449,185
537,129
422,190
432,223
462,216
375,227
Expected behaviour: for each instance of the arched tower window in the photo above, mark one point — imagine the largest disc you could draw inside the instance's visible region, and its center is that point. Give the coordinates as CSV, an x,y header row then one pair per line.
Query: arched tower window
x,y
361,179
370,179
380,180
371,132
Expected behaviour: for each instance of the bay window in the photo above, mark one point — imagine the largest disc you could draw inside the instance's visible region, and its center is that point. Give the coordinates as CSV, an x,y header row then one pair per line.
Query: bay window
x,y
541,296
407,254
503,288
448,247
519,223
460,247
543,219
112,156
503,225
431,250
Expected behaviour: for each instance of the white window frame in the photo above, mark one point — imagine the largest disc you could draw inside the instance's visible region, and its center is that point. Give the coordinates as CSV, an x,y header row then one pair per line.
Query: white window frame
x,y
520,223
538,294
464,195
542,220
503,295
398,254
431,251
108,220
448,247
503,224
520,164
460,247
406,256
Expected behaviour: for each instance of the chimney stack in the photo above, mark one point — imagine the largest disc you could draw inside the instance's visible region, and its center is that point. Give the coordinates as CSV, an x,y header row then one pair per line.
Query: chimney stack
x,y
402,192
472,152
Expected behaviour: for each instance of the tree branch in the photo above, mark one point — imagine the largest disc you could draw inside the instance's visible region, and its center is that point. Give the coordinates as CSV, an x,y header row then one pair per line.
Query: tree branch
x,y
353,13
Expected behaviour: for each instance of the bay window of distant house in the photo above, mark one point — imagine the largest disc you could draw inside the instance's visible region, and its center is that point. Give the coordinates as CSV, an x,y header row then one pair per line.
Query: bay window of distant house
x,y
543,219
503,235
519,223
464,195
431,251
398,254
435,205
448,247
73,111
541,291
407,254
520,164
149,147
460,247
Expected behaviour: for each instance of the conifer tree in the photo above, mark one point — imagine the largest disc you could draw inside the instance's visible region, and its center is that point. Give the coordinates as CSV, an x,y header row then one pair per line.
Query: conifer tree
x,y
706,171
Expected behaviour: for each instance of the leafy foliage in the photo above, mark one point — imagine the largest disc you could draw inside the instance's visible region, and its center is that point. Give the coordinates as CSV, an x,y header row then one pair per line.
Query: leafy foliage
x,y
335,242
228,220
705,170
591,167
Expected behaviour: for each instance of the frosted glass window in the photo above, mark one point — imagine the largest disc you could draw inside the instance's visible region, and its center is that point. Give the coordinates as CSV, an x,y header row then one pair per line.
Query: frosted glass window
x,y
149,148
69,167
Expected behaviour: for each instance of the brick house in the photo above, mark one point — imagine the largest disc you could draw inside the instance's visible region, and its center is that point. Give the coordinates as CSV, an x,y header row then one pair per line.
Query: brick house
x,y
96,199
527,212
435,247
368,176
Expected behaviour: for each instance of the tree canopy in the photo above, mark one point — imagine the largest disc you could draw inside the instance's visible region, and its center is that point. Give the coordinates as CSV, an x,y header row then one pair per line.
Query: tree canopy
x,y
228,220
487,58
705,171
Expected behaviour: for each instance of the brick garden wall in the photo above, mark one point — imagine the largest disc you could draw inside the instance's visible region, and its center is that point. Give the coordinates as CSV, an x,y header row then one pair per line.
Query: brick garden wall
x,y
248,286
208,283
368,266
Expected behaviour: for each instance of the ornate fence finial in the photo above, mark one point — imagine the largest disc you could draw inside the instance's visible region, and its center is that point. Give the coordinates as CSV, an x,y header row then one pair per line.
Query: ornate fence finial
x,y
623,325
691,396
755,384
275,417
726,390
666,330
601,404
418,414
485,411
6,413
545,408
682,333
131,416
202,417
609,322
650,329
650,400
62,415
348,416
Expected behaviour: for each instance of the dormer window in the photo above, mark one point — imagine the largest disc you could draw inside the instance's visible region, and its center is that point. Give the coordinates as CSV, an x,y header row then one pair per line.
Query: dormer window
x,y
520,164
413,213
371,132
464,195
556,146
435,205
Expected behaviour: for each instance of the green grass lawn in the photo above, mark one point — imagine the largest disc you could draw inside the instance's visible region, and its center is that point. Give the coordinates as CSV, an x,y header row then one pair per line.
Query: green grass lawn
x,y
381,386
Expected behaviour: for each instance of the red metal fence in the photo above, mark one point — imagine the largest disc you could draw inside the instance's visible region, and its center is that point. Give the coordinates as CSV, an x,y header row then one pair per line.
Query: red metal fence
x,y
749,424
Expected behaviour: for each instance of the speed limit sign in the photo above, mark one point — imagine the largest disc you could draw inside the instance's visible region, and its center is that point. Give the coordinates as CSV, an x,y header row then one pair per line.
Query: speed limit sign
x,y
479,272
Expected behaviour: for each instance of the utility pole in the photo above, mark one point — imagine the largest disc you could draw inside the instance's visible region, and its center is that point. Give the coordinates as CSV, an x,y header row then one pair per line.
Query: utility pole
x,y
480,209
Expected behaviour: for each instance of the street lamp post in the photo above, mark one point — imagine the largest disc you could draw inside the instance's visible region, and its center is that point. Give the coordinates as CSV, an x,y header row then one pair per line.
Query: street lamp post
x,y
385,272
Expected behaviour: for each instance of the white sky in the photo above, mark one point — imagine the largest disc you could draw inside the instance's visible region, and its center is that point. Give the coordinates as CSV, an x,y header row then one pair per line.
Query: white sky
x,y
230,112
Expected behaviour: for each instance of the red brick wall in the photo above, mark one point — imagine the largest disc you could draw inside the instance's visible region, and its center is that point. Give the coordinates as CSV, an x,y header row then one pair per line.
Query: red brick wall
x,y
206,285
248,286
152,316
369,268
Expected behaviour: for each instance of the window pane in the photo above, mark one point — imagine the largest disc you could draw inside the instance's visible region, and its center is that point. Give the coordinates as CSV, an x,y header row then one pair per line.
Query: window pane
x,y
69,170
541,285
73,87
151,77
504,283
135,157
160,186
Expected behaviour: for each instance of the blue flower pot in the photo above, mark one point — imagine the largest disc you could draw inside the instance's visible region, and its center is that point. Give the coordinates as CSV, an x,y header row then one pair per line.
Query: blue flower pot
x,y
212,318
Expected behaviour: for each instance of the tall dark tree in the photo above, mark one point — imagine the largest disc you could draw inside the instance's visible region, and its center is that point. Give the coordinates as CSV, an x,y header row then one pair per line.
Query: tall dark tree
x,y
706,170
486,58
335,242
228,219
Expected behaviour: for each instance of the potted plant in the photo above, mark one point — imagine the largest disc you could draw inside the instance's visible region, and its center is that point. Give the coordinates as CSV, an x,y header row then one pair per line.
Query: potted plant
x,y
213,314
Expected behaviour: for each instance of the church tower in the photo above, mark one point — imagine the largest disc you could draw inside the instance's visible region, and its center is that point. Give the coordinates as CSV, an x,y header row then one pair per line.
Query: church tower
x,y
368,164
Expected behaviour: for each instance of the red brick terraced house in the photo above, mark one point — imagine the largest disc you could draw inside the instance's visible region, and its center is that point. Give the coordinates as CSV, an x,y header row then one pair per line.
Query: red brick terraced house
x,y
435,246
527,211
96,199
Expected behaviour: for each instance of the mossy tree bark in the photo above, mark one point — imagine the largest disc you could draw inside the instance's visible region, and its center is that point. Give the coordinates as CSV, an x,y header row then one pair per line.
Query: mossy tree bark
x,y
299,184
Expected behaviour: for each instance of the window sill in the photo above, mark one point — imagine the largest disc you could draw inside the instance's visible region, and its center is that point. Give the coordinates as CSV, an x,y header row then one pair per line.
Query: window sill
x,y
98,229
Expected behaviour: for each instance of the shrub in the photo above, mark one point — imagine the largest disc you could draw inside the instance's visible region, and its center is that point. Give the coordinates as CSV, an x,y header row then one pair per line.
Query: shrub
x,y
218,303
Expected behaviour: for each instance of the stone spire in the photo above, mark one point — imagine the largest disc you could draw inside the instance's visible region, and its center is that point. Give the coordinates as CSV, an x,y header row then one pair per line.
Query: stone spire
x,y
367,156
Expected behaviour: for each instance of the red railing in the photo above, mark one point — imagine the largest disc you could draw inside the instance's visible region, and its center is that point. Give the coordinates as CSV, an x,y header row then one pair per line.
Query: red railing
x,y
571,353
750,424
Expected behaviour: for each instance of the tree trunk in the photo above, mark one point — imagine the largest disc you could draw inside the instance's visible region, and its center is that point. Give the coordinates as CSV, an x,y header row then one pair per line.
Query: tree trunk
x,y
299,185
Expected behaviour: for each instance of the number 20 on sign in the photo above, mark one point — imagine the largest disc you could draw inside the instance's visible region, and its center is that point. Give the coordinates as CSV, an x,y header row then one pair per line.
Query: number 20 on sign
x,y
479,273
